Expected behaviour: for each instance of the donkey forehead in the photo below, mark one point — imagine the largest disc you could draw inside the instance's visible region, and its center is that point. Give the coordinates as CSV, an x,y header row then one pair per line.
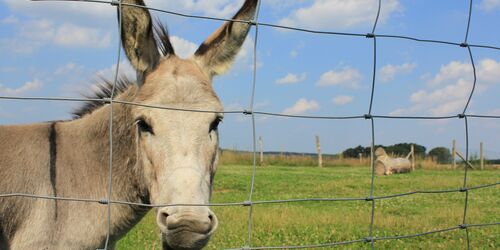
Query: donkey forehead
x,y
179,82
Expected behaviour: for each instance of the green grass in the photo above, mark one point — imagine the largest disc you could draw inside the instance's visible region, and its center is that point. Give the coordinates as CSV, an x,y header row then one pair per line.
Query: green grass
x,y
307,223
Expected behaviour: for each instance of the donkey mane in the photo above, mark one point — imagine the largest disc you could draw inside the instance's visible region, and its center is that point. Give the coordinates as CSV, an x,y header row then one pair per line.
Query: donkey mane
x,y
104,87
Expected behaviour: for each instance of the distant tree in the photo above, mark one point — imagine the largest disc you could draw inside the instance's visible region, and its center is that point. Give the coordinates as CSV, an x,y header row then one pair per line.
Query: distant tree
x,y
440,154
400,149
354,152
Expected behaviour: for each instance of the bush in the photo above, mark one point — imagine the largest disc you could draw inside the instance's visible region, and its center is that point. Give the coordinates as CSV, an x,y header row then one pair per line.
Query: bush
x,y
441,155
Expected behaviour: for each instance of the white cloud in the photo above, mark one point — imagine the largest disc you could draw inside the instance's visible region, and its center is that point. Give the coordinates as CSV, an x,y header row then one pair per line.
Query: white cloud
x,y
71,35
183,47
444,101
389,71
340,14
68,11
96,13
447,92
76,24
488,71
10,20
36,33
489,5
347,77
291,78
214,8
68,69
125,70
342,99
27,87
451,71
17,45
302,106
71,24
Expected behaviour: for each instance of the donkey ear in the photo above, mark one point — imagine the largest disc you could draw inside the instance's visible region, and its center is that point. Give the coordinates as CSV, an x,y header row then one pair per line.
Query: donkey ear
x,y
138,38
219,50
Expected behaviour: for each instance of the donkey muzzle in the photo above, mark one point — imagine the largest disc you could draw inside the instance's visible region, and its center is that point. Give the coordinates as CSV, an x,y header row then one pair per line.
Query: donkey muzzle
x,y
186,228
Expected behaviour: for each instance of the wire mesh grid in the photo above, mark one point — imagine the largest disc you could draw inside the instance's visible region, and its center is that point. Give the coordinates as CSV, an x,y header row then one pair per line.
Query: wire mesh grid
x,y
369,239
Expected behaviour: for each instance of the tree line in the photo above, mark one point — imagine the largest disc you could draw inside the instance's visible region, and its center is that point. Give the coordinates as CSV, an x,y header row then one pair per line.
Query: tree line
x,y
439,154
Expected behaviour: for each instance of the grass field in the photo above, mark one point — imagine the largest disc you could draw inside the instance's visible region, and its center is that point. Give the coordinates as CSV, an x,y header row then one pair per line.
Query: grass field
x,y
307,223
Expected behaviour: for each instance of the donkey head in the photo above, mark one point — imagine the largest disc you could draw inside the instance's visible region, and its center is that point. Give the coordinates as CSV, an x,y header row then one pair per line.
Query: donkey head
x,y
177,151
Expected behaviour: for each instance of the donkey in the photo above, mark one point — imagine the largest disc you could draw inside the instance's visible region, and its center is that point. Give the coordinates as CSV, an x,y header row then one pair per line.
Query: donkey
x,y
160,156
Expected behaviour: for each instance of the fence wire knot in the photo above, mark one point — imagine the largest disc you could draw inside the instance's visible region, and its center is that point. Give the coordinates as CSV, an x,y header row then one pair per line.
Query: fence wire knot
x,y
115,2
368,239
247,203
103,201
461,116
370,35
464,189
247,112
368,116
464,45
106,100
463,226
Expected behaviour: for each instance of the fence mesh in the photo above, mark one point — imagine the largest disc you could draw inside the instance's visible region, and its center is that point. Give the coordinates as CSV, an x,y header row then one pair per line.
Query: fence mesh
x,y
369,239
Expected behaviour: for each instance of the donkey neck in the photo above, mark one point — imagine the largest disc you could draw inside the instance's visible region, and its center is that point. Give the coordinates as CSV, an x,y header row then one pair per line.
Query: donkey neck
x,y
83,156
93,132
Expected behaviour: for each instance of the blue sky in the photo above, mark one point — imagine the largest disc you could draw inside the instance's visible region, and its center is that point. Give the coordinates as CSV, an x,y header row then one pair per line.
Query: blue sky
x,y
57,49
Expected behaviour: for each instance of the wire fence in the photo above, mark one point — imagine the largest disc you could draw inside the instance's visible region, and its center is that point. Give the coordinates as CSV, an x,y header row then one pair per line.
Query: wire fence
x,y
250,202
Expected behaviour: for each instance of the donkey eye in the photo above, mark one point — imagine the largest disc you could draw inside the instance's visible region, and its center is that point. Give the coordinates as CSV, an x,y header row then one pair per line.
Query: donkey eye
x,y
215,124
143,126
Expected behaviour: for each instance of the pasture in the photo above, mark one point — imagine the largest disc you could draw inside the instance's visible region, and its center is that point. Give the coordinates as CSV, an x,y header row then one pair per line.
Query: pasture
x,y
307,223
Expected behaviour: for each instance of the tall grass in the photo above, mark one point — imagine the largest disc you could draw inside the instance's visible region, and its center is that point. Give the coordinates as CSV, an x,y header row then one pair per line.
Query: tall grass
x,y
229,157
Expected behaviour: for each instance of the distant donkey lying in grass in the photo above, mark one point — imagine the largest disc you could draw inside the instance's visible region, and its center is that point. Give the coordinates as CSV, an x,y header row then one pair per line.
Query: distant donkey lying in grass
x,y
159,156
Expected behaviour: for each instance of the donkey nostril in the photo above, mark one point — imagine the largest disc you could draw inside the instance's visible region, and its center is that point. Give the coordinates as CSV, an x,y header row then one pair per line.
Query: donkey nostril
x,y
210,217
161,220
164,215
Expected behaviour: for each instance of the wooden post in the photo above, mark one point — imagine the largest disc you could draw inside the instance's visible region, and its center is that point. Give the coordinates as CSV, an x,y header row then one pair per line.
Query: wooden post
x,y
412,157
453,153
261,147
481,155
467,163
318,148
360,157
